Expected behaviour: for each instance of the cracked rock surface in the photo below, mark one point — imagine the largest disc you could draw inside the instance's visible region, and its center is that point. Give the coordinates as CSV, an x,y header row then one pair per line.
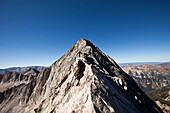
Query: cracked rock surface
x,y
73,84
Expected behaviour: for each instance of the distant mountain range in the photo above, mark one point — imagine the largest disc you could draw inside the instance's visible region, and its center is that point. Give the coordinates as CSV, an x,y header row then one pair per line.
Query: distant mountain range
x,y
21,69
149,77
141,63
165,63
154,80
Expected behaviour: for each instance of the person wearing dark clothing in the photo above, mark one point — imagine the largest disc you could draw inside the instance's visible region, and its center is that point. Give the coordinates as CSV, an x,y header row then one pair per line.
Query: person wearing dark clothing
x,y
84,55
79,53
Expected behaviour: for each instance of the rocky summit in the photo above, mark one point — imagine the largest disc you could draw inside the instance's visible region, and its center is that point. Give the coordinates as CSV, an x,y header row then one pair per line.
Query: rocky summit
x,y
90,82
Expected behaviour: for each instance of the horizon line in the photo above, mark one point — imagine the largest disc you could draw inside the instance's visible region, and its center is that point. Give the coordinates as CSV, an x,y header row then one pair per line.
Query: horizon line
x,y
51,64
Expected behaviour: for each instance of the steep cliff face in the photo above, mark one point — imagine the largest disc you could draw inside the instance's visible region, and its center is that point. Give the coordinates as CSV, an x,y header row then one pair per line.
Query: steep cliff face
x,y
77,84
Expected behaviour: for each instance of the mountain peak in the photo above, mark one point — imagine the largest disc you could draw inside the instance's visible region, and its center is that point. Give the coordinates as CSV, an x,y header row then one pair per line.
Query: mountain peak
x,y
84,43
98,79
88,82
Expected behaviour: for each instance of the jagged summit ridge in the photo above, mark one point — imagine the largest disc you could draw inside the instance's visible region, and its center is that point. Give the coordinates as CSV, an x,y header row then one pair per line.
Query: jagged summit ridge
x,y
92,84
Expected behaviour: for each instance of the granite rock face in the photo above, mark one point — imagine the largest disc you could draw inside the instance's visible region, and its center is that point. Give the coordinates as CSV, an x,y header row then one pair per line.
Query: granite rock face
x,y
75,84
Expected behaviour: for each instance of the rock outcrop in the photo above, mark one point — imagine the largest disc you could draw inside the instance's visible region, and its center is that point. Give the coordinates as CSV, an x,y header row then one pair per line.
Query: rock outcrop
x,y
74,84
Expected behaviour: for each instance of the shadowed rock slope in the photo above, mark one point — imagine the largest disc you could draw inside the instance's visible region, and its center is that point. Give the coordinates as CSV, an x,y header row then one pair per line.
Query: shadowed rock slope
x,y
77,85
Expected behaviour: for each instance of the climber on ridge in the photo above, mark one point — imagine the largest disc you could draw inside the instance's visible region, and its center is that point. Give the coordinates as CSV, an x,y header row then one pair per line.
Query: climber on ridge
x,y
84,55
79,53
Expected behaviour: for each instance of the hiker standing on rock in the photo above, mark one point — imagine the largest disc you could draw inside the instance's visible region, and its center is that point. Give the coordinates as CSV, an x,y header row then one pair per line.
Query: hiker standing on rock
x,y
79,53
84,55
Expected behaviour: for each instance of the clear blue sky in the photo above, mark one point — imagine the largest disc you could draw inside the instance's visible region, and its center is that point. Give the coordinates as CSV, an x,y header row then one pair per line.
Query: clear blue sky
x,y
38,32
